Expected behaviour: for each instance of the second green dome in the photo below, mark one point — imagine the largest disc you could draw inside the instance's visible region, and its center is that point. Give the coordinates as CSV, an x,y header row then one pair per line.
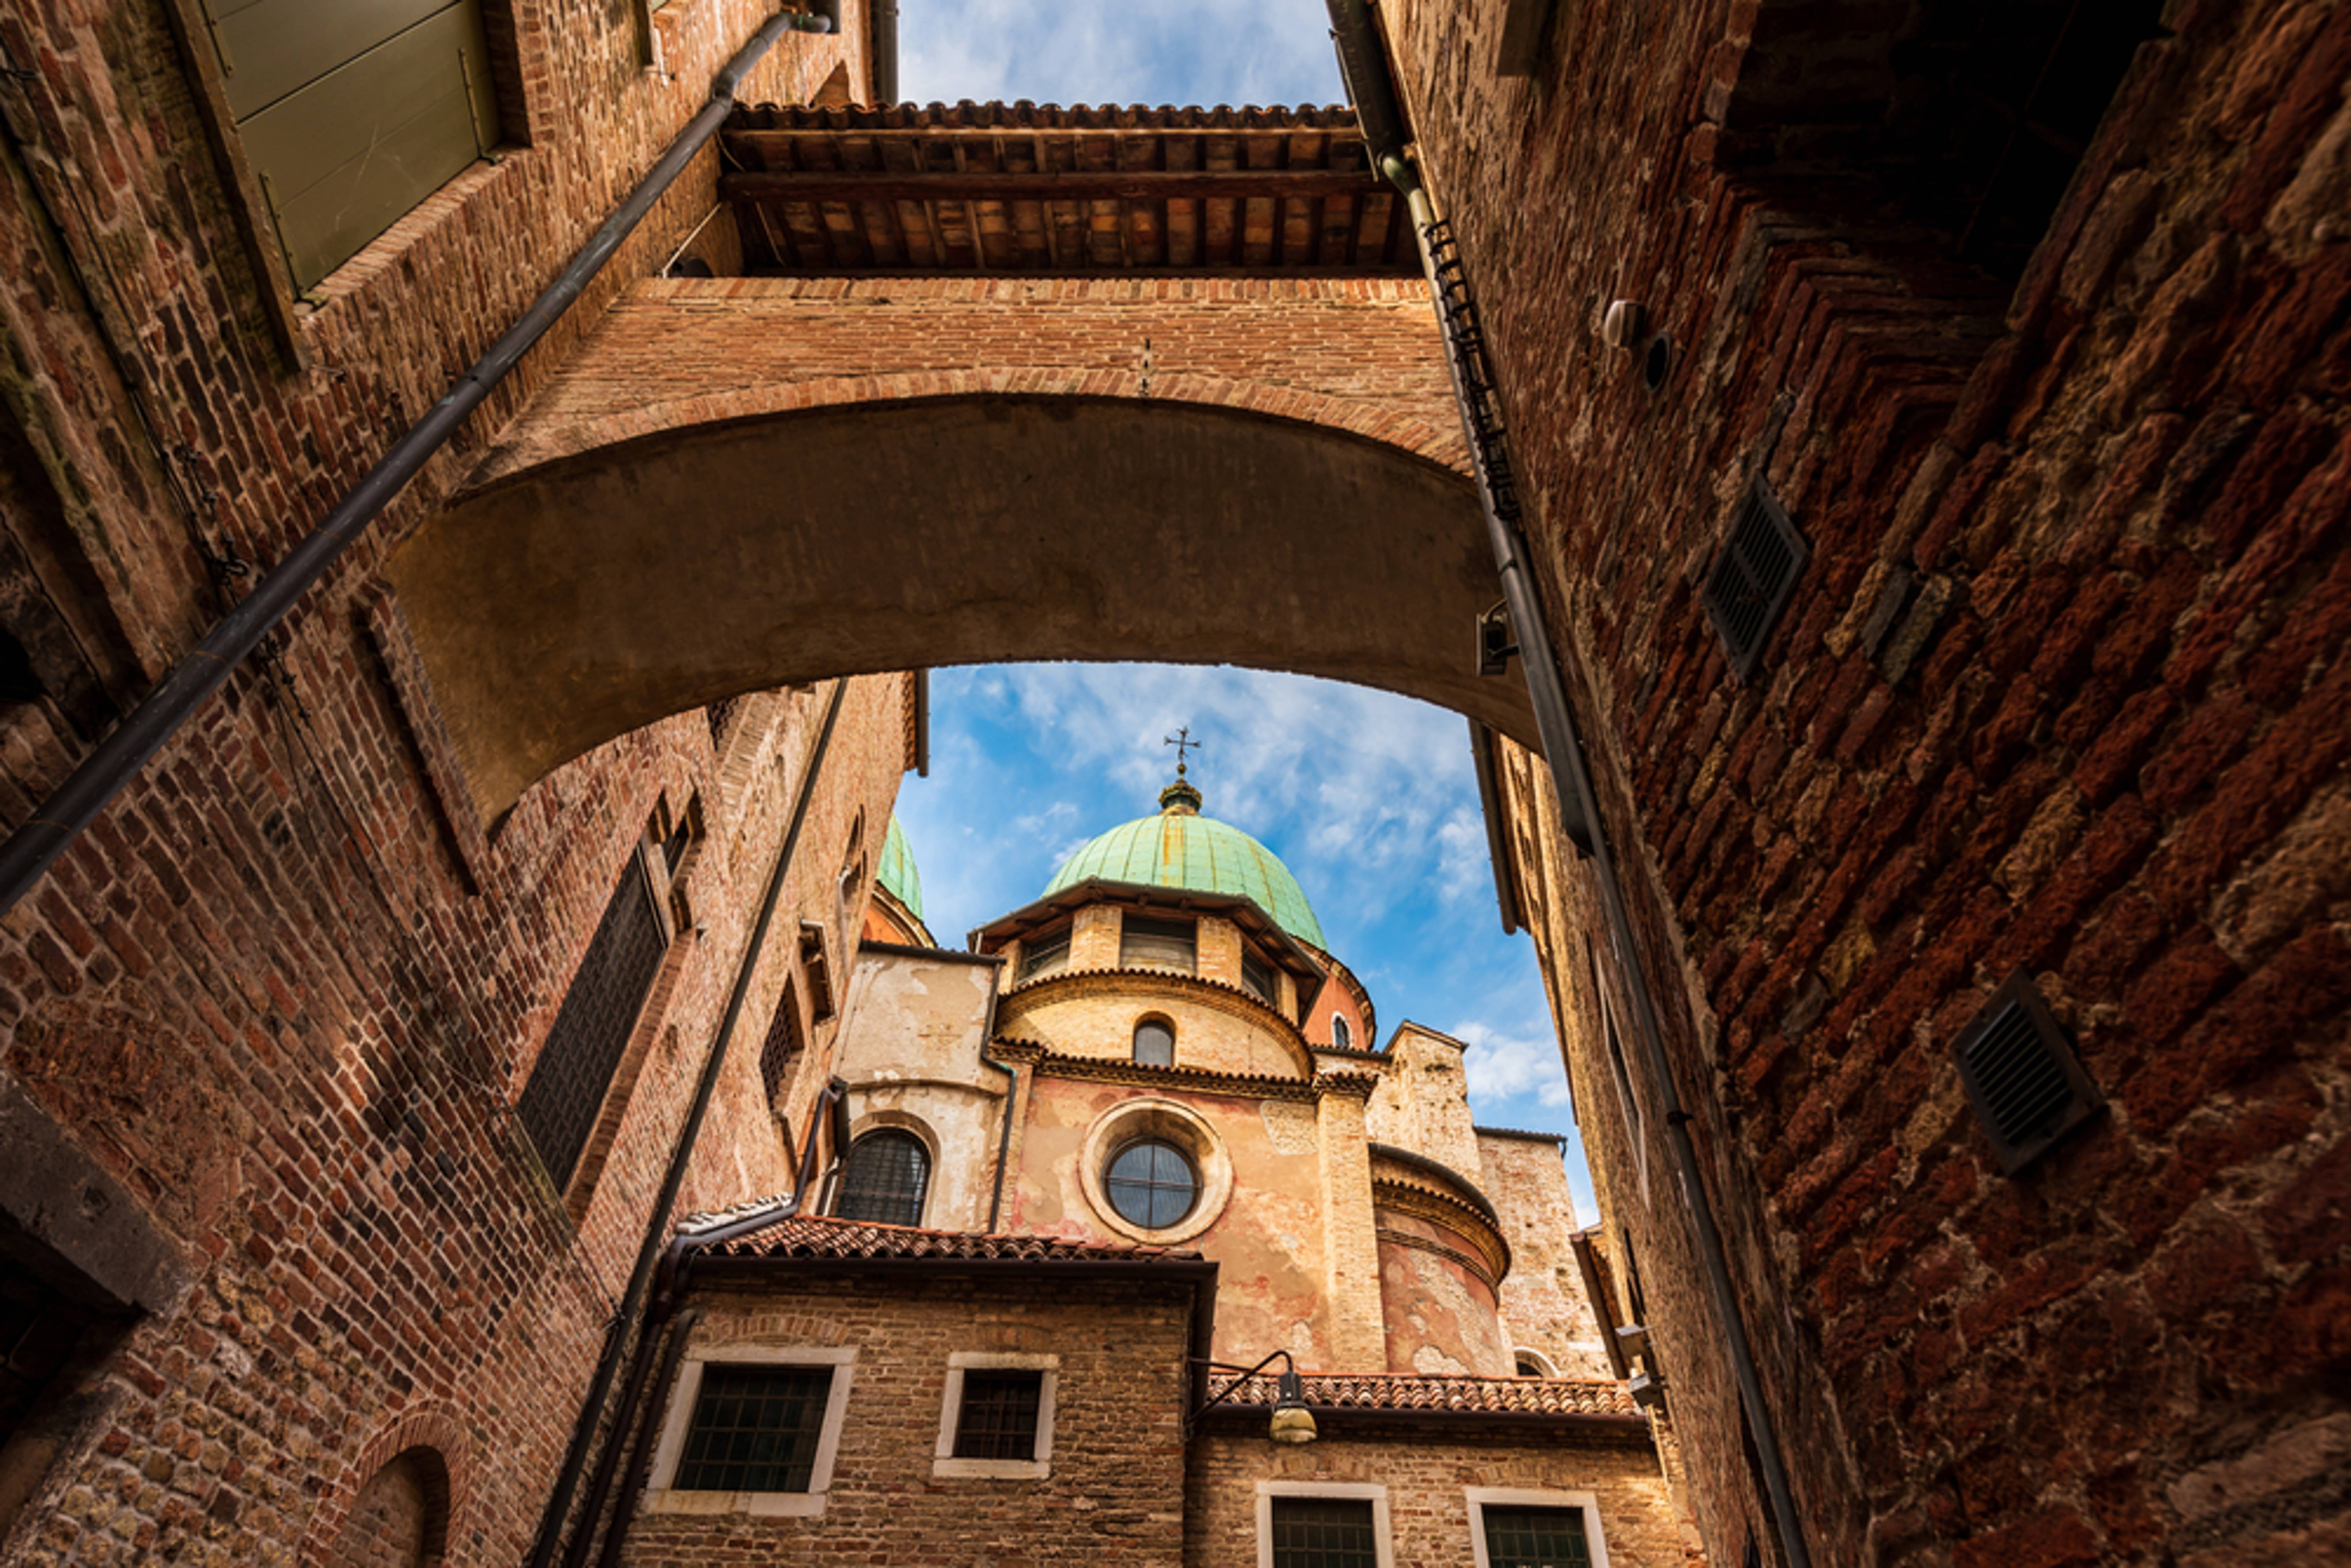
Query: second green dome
x,y
1180,848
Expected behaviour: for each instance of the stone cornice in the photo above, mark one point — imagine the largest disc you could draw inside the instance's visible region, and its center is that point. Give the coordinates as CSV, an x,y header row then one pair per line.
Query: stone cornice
x,y
1222,995
1448,1212
1050,1063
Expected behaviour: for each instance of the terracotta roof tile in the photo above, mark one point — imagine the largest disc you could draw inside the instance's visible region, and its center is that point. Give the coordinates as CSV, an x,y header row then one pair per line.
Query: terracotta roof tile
x,y
1459,1395
814,1237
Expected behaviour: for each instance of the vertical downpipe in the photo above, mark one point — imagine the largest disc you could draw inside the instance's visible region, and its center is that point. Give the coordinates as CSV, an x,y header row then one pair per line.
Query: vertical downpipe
x,y
1371,89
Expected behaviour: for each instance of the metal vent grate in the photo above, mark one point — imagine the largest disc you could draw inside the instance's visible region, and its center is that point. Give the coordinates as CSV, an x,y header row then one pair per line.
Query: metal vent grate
x,y
1754,577
574,1066
2022,1075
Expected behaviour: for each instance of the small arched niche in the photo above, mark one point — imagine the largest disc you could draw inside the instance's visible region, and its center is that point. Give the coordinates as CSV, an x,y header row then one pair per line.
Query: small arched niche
x,y
401,1516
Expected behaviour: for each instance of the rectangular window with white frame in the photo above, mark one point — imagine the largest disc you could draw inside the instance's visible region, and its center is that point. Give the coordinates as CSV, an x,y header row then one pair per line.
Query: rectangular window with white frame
x,y
1323,1524
752,1430
1515,1527
997,1420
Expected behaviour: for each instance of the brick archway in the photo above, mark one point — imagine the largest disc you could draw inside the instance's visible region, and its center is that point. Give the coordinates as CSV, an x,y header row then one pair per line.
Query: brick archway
x,y
743,484
585,598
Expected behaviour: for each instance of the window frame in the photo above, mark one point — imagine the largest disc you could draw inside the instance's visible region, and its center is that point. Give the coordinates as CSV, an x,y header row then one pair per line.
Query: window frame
x,y
1060,938
945,1466
1479,1497
922,1195
1145,928
1183,1156
1152,1021
1342,1033
662,886
663,1497
1382,1531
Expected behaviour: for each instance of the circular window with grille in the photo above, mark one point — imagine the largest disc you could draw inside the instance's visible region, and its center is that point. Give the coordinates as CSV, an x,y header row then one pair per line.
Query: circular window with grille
x,y
1154,1170
1152,1183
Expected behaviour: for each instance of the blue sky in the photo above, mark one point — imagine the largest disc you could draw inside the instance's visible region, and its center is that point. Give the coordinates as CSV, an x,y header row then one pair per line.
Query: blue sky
x,y
1117,51
1370,799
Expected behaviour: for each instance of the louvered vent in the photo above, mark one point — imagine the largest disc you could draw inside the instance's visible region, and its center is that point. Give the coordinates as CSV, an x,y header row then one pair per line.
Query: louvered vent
x,y
1754,577
2023,1077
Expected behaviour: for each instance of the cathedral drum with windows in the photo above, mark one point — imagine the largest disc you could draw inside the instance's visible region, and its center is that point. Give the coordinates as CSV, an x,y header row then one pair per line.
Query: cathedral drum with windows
x,y
1120,1181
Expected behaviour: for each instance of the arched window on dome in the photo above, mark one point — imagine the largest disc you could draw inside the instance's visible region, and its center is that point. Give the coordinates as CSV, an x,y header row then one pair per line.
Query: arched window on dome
x,y
1341,1035
1154,1043
888,1173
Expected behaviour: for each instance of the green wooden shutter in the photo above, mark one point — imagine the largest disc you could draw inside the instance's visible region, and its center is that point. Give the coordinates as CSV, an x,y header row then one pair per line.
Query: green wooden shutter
x,y
352,112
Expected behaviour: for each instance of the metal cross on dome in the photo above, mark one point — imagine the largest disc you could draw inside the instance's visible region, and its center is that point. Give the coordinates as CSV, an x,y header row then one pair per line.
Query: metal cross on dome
x,y
1182,741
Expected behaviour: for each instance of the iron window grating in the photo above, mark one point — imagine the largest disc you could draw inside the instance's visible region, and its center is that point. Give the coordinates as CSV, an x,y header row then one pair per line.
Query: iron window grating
x,y
1152,1183
755,1429
781,1049
997,1418
1536,1537
559,1105
887,1176
2022,1076
1323,1532
1754,577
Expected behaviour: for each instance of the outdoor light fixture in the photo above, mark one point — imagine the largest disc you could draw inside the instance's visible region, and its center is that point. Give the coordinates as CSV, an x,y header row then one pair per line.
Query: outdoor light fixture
x,y
1293,1421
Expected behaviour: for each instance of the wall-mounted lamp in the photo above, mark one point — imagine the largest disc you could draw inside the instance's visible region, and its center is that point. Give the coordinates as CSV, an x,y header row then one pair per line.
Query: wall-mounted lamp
x,y
1293,1421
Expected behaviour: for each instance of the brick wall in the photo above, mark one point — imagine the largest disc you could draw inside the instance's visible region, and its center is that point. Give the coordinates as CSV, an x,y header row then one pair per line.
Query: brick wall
x,y
1116,1488
1428,1473
2091,737
1356,353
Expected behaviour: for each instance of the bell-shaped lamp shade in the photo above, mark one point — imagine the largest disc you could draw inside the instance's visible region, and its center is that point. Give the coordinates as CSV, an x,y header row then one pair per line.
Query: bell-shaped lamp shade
x,y
1293,1422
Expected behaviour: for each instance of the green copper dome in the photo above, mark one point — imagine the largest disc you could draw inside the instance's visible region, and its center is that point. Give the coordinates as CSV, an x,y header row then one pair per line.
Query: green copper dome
x,y
1180,847
897,871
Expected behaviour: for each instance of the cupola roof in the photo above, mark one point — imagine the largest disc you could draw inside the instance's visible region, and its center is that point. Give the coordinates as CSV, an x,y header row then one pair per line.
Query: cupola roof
x,y
1177,847
897,873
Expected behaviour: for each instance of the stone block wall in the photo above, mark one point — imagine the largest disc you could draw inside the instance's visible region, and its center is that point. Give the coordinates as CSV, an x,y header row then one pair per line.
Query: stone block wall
x,y
1544,1308
2058,693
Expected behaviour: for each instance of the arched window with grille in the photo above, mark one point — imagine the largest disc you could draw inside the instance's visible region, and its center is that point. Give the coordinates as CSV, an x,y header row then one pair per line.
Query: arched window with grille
x,y
1341,1035
888,1173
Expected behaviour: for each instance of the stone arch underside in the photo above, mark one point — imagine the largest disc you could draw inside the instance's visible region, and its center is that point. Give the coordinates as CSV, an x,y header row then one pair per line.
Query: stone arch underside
x,y
567,604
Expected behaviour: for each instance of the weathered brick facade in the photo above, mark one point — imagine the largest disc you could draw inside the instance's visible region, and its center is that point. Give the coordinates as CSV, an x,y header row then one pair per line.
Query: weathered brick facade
x,y
2059,691
1430,1477
275,1009
1115,1492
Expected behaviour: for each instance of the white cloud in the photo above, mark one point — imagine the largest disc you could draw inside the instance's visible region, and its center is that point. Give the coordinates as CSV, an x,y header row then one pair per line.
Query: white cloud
x,y
1116,51
1510,1066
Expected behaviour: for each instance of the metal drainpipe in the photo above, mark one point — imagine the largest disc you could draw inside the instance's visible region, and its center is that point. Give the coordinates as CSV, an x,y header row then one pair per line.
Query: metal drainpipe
x,y
649,1254
624,1512
1371,90
1011,1095
669,1292
54,825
